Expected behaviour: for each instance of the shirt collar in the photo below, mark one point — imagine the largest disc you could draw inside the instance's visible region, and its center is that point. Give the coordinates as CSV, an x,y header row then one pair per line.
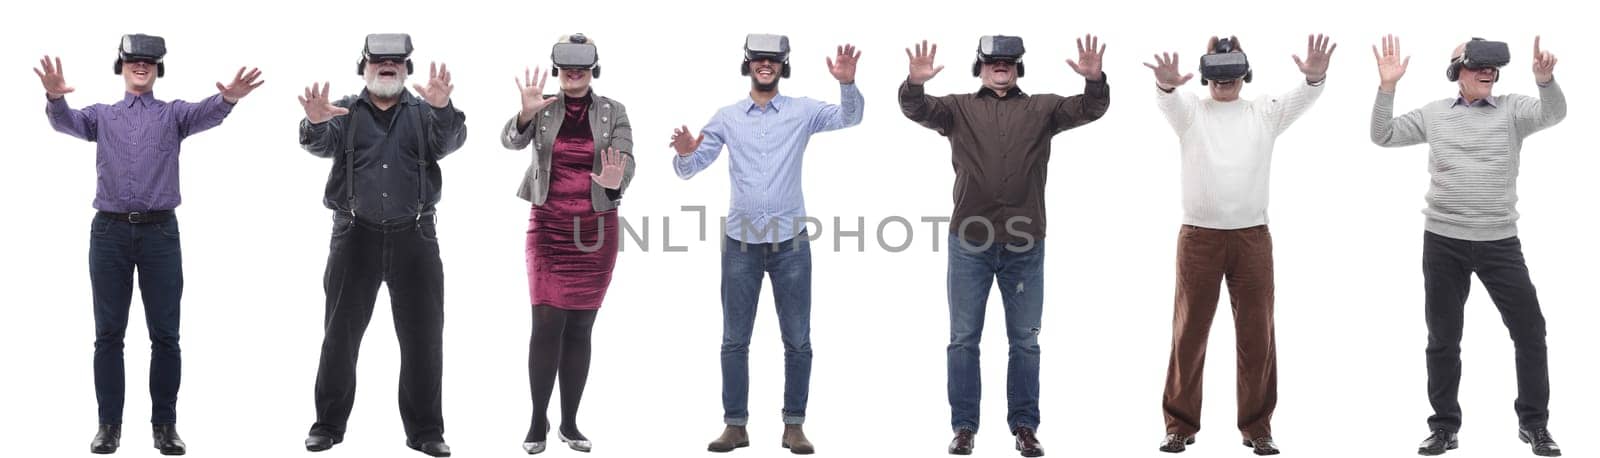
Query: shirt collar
x,y
1486,101
776,104
129,98
1013,92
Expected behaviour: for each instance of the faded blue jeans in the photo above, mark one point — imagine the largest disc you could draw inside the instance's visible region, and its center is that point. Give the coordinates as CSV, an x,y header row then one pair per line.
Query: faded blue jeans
x,y
971,274
788,263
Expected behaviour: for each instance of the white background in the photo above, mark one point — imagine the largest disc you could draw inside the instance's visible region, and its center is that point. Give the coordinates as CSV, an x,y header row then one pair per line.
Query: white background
x,y
1345,220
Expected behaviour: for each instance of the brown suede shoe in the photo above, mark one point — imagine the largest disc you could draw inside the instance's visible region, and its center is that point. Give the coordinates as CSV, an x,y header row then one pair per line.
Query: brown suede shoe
x,y
794,439
732,437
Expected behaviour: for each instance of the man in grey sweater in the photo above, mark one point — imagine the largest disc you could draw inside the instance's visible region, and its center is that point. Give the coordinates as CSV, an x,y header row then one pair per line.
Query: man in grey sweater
x,y
1474,142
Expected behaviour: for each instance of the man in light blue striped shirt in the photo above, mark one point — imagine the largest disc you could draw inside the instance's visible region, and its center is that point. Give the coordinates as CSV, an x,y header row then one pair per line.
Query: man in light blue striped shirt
x,y
766,135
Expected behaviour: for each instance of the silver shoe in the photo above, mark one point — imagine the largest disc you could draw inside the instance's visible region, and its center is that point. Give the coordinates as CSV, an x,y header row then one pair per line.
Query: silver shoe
x,y
533,448
579,445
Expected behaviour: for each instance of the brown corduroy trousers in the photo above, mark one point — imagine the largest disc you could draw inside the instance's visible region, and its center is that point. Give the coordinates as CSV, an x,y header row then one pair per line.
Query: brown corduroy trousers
x,y
1206,258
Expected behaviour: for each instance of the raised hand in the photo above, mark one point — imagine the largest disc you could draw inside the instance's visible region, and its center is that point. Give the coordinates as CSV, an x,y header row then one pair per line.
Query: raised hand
x,y
318,108
533,98
922,68
685,143
241,86
843,64
55,83
1544,63
437,92
1390,65
1089,57
1319,50
613,164
1166,70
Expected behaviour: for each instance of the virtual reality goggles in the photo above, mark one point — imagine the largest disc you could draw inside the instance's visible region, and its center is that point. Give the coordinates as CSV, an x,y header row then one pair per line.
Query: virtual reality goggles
x,y
999,48
760,46
1480,54
385,47
1224,64
576,53
139,47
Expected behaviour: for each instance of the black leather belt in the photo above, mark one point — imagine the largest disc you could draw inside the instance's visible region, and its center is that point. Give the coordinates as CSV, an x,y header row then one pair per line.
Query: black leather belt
x,y
139,217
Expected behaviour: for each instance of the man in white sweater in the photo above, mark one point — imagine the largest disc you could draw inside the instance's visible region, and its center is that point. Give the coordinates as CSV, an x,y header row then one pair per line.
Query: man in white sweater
x,y
1227,156
1474,151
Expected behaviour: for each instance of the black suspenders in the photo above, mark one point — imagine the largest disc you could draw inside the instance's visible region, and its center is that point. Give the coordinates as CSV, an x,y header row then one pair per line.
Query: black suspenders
x,y
350,161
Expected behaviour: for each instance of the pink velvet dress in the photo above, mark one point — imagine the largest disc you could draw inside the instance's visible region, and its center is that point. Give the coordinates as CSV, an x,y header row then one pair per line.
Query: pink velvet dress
x,y
571,248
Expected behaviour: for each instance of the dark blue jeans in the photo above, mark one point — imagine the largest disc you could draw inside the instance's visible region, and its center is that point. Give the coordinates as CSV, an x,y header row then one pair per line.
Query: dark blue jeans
x,y
116,250
1447,268
971,275
788,263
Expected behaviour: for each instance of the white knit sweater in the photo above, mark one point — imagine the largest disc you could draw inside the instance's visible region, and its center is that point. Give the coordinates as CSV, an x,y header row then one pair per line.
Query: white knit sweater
x,y
1227,152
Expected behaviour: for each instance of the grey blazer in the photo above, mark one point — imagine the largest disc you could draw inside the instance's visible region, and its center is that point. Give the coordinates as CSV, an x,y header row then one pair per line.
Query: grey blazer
x,y
609,123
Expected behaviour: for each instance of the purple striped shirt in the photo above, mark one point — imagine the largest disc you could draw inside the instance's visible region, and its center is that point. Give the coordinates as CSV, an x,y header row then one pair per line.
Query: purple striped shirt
x,y
136,152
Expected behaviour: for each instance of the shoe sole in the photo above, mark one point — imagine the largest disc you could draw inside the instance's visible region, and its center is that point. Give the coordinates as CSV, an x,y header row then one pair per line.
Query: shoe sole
x,y
961,452
797,451
726,450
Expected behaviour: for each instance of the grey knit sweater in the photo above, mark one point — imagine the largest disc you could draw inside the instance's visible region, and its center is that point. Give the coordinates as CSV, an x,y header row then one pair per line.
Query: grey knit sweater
x,y
1473,156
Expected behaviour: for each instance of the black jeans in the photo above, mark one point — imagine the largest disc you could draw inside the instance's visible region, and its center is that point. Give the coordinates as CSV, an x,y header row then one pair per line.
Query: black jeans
x,y
116,250
1447,266
361,257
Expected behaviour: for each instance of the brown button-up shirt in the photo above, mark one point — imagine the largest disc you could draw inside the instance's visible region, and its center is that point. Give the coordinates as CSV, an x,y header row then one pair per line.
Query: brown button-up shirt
x,y
1000,146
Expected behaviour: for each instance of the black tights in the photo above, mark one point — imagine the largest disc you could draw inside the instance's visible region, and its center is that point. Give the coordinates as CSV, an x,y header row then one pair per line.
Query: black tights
x,y
559,346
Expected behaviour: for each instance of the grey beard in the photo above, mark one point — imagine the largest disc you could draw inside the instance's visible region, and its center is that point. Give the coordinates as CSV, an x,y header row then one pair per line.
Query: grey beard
x,y
383,89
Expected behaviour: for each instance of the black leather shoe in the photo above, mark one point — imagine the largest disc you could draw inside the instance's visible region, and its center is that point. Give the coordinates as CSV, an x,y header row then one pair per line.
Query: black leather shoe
x,y
318,442
1176,443
962,444
166,439
1262,445
1027,443
430,447
106,440
1540,440
1437,443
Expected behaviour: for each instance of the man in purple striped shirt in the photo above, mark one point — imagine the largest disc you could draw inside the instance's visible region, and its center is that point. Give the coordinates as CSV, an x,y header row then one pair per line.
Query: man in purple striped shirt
x,y
136,163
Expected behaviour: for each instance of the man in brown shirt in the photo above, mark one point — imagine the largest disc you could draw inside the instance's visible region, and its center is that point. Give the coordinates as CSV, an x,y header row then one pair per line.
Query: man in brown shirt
x,y
1000,147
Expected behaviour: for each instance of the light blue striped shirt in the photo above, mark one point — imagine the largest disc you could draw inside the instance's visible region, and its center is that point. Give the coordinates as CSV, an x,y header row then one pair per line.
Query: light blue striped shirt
x,y
766,147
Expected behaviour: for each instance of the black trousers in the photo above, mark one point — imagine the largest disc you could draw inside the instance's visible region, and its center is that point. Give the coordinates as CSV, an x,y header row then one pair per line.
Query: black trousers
x,y
1447,266
361,257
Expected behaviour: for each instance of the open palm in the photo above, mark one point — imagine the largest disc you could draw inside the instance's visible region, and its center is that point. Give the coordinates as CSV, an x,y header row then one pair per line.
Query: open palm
x,y
1391,67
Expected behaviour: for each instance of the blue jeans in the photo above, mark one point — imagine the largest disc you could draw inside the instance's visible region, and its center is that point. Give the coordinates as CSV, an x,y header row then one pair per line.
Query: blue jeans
x,y
116,250
971,274
788,263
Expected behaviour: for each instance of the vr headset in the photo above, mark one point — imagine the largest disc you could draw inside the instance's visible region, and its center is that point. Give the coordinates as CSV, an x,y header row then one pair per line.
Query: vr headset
x,y
385,47
1480,54
759,46
578,53
139,47
999,48
1224,64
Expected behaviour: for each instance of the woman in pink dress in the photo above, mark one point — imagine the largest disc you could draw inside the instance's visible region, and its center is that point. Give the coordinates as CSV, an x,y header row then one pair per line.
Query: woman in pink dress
x,y
582,163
